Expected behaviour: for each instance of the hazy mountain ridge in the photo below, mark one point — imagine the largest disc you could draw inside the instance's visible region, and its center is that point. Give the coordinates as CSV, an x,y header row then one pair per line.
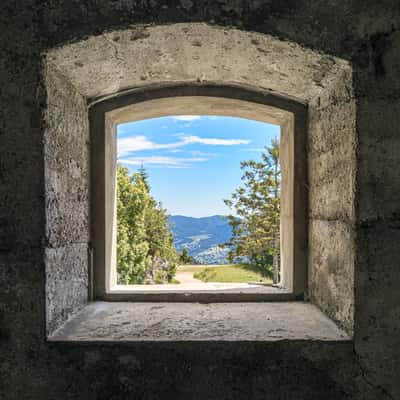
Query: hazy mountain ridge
x,y
201,237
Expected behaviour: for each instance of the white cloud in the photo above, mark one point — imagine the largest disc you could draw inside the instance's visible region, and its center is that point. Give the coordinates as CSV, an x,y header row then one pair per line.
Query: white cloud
x,y
162,160
186,117
196,153
135,143
213,141
140,143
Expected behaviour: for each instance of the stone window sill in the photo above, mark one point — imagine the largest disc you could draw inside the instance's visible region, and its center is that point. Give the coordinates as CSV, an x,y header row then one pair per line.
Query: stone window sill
x,y
185,322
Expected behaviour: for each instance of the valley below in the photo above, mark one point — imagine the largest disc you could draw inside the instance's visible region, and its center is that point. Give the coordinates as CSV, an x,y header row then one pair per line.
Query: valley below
x,y
202,237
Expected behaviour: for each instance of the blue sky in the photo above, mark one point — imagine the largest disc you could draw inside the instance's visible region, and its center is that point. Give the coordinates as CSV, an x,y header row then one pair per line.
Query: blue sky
x,y
193,162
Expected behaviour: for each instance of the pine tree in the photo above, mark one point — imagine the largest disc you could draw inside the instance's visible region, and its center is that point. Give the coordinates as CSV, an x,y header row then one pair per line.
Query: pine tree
x,y
256,225
144,176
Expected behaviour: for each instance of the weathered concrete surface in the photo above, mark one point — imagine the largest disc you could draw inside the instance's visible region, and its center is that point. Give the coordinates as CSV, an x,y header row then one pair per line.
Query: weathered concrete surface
x,y
120,60
332,185
364,32
127,322
66,163
114,62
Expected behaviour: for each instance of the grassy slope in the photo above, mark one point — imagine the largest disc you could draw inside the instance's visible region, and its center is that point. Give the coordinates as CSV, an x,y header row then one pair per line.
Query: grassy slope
x,y
227,273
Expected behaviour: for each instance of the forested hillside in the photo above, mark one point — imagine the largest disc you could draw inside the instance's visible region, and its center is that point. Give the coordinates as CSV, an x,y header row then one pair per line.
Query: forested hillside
x,y
201,237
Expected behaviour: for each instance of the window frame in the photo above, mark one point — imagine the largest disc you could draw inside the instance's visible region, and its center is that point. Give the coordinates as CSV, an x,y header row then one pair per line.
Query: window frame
x,y
289,113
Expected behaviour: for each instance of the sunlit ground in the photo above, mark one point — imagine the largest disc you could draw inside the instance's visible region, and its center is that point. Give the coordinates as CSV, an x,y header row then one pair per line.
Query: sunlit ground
x,y
232,278
231,273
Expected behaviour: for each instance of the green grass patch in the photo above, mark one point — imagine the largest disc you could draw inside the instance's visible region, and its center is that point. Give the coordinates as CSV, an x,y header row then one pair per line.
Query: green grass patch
x,y
265,271
233,273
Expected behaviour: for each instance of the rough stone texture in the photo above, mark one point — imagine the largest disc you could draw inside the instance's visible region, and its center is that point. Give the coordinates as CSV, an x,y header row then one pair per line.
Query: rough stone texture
x,y
180,322
66,163
364,32
332,172
66,282
66,145
377,274
114,62
107,64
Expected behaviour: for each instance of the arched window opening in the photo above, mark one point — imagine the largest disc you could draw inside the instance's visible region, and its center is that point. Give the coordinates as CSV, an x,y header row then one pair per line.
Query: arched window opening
x,y
232,220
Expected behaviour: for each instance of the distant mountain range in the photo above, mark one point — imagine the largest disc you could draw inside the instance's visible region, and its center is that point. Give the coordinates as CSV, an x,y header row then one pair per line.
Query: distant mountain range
x,y
201,237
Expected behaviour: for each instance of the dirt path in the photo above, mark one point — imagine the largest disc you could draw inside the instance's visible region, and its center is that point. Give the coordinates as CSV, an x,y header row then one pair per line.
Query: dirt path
x,y
186,277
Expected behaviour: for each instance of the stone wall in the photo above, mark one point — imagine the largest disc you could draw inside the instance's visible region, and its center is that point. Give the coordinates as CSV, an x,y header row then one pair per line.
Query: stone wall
x,y
144,56
364,32
332,171
66,159
378,209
